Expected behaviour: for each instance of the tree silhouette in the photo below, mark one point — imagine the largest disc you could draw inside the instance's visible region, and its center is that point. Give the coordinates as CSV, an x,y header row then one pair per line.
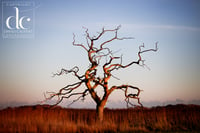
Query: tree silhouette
x,y
99,56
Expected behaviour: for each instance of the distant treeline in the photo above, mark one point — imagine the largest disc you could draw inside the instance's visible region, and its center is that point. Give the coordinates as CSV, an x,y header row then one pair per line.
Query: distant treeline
x,y
45,119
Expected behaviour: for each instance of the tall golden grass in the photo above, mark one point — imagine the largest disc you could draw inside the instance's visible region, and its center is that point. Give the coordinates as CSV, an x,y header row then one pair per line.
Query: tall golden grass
x,y
40,118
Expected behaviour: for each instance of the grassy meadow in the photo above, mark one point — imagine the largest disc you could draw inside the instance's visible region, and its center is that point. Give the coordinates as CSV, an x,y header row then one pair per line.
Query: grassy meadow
x,y
44,119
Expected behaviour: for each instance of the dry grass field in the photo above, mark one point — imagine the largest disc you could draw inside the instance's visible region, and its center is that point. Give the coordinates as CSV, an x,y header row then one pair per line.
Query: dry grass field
x,y
44,119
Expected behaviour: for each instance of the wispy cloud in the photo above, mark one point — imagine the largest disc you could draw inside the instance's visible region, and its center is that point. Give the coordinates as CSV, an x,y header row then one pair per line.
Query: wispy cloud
x,y
99,25
162,27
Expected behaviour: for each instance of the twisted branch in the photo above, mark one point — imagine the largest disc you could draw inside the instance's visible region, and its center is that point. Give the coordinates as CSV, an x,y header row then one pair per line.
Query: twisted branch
x,y
74,70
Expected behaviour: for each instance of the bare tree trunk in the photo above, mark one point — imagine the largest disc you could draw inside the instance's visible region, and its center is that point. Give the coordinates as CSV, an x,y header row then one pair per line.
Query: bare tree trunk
x,y
100,109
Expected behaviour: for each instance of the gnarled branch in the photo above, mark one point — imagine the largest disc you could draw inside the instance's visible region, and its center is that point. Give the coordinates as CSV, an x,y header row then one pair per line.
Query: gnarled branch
x,y
77,44
74,70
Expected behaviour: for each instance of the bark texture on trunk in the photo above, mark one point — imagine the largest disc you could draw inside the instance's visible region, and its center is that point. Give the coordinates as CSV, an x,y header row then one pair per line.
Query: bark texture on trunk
x,y
100,109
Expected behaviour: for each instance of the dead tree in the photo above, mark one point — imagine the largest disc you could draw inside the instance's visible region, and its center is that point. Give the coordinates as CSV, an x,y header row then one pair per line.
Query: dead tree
x,y
97,53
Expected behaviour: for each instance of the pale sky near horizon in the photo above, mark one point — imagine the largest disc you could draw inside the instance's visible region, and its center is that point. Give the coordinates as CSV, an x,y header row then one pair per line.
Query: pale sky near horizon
x,y
26,65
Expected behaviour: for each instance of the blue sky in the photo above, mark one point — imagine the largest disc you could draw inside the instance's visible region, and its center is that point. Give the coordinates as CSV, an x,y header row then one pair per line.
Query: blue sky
x,y
27,64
